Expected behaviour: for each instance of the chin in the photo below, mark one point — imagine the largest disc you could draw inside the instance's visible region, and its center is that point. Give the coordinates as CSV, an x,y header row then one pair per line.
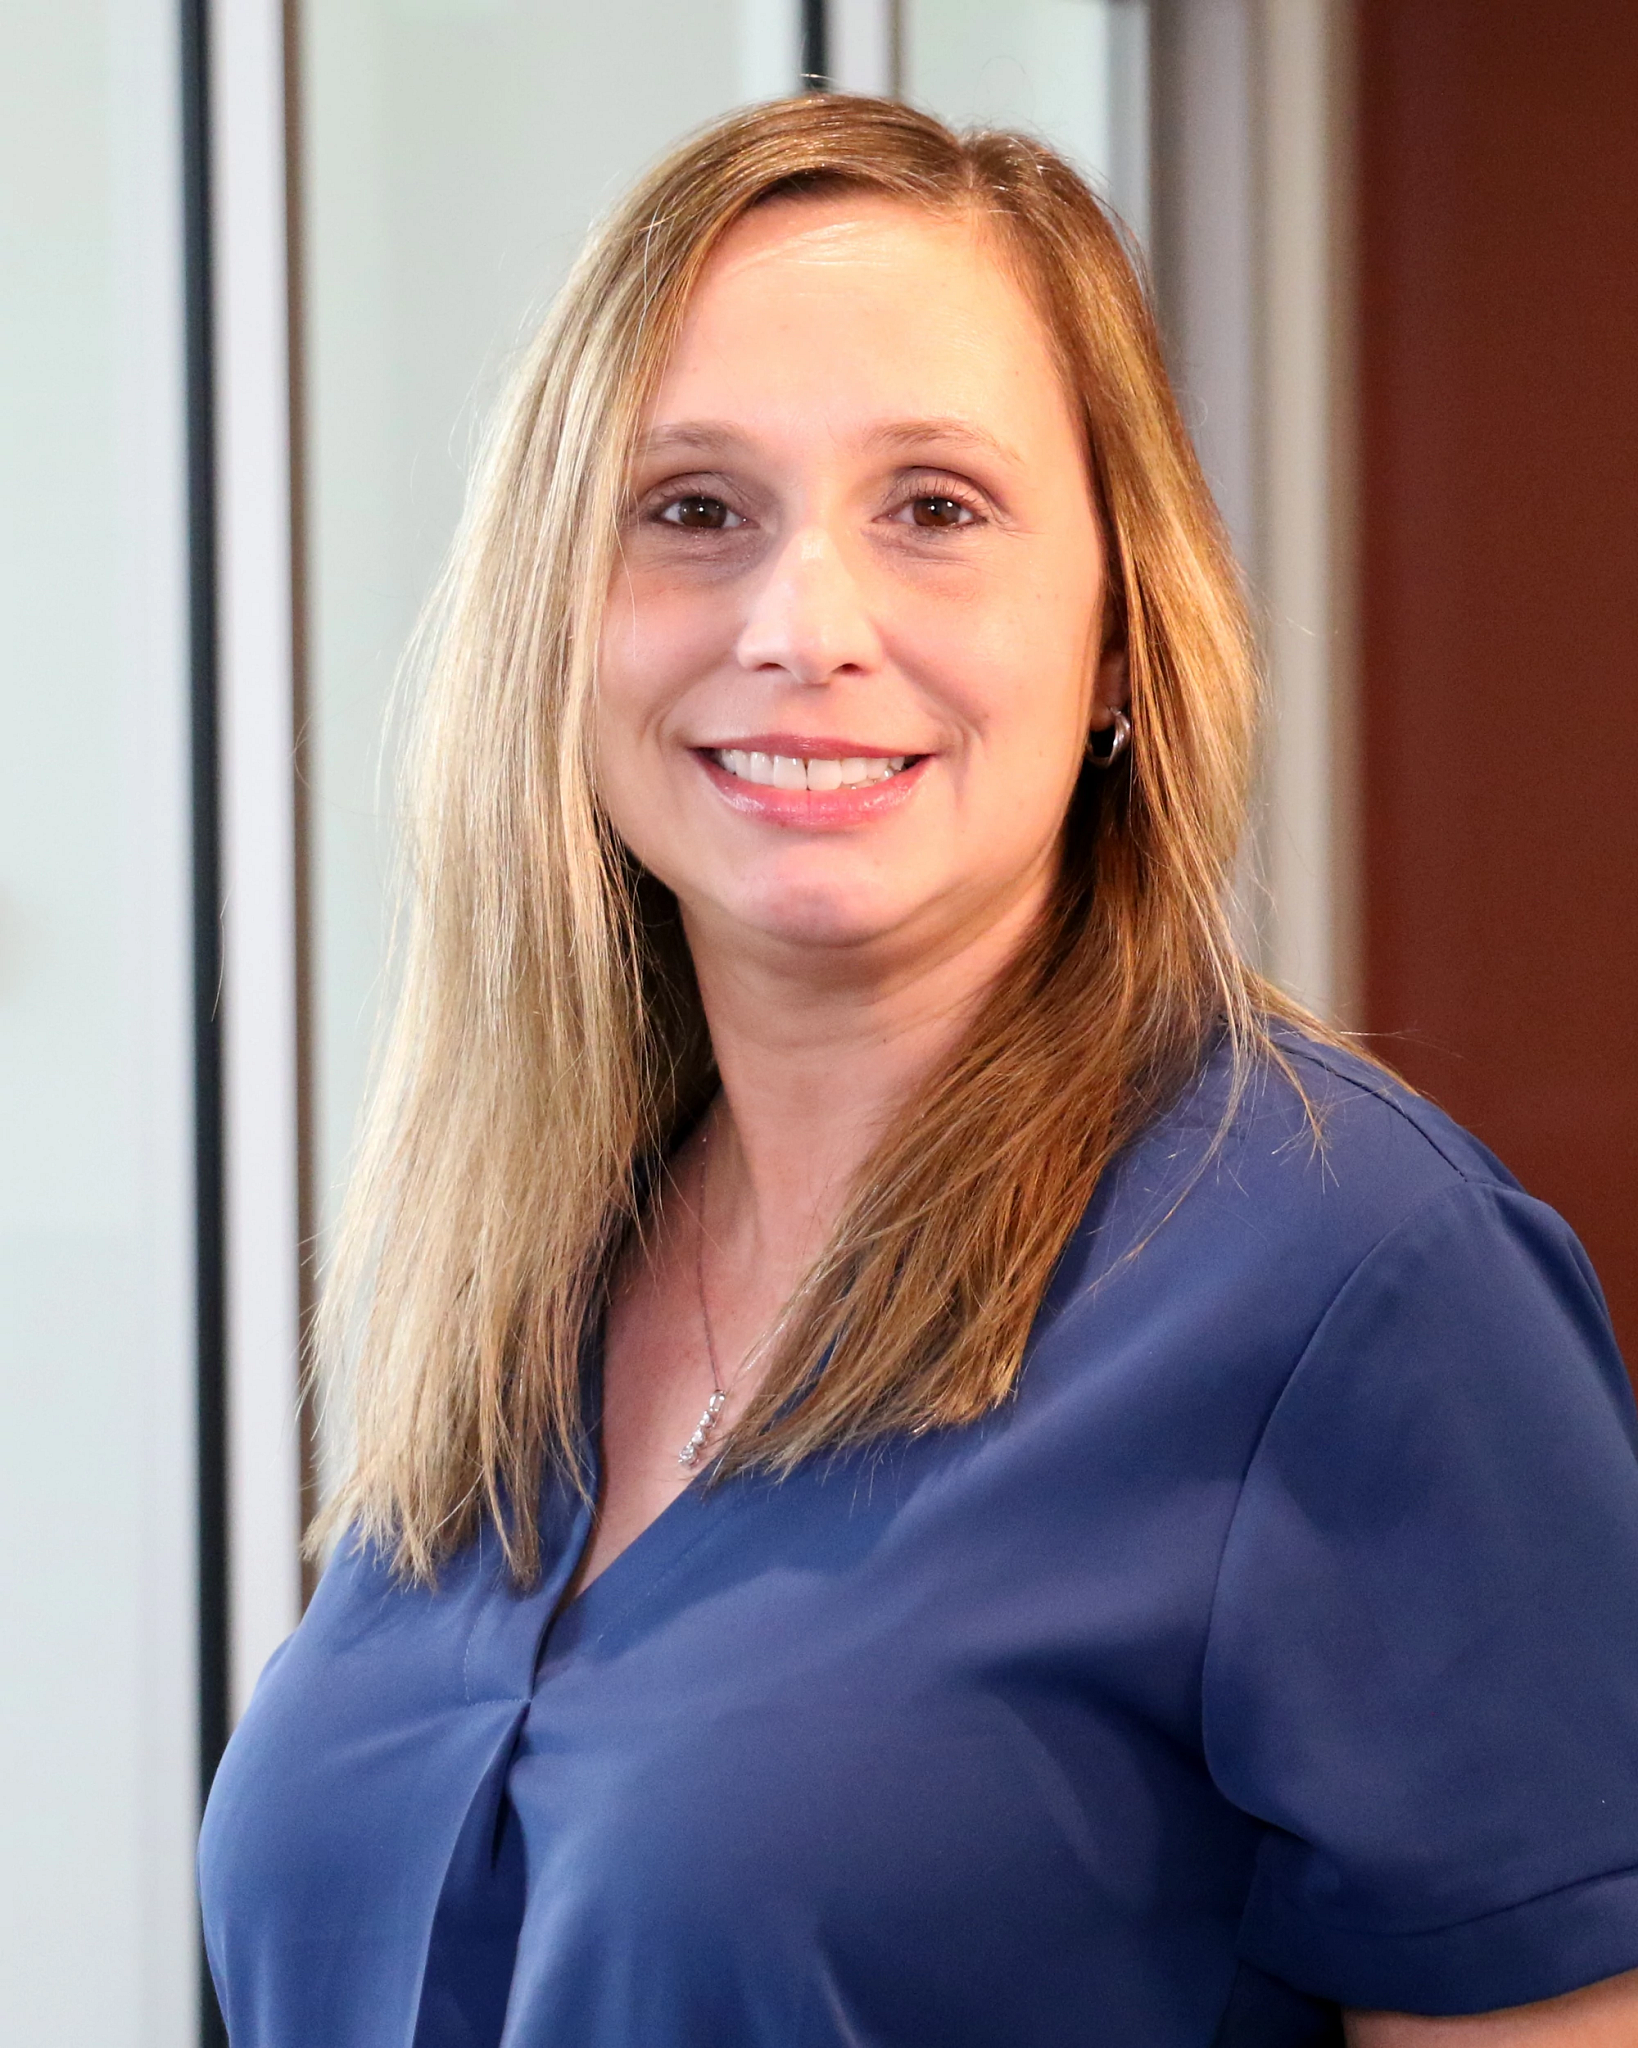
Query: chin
x,y
825,920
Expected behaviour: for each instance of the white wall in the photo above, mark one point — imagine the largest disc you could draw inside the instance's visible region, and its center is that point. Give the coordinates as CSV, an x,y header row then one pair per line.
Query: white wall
x,y
97,1782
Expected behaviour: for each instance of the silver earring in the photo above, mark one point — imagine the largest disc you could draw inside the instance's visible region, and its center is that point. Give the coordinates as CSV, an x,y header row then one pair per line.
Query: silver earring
x,y
1121,728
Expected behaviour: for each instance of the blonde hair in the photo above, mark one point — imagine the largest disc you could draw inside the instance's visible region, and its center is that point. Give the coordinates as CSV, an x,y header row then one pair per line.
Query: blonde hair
x,y
549,1037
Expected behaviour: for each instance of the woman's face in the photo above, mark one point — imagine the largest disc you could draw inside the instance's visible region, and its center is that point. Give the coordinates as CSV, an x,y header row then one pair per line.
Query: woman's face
x,y
851,649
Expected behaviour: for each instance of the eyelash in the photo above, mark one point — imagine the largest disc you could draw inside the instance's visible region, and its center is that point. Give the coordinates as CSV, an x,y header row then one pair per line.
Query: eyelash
x,y
657,510
932,485
928,486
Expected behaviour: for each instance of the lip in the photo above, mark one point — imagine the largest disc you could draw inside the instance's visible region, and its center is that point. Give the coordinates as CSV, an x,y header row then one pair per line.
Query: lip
x,y
802,746
810,810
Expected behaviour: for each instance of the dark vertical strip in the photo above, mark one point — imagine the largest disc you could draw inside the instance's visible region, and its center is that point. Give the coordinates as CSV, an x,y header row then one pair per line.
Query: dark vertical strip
x,y
1167,204
296,344
210,1260
815,46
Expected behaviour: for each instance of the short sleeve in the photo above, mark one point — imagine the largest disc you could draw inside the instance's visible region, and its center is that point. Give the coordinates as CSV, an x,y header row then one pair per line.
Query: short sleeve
x,y
1422,1671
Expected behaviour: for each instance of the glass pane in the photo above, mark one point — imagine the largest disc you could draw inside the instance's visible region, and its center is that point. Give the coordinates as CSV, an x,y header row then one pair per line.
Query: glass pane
x,y
97,1516
1072,71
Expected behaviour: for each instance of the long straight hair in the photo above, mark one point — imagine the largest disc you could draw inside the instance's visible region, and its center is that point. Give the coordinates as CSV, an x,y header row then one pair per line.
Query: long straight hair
x,y
549,1037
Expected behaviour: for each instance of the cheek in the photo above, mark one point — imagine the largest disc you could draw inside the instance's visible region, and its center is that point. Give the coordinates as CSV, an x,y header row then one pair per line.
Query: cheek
x,y
1016,678
1016,639
655,646
634,688
632,793
657,640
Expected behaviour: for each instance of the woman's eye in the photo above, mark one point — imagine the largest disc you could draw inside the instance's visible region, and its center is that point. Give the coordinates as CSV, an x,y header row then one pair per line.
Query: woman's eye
x,y
938,511
699,513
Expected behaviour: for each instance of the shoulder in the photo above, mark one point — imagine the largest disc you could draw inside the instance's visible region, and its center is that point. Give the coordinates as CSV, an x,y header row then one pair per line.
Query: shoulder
x,y
1372,1113
1300,1146
1404,1600
1368,1135
1267,1190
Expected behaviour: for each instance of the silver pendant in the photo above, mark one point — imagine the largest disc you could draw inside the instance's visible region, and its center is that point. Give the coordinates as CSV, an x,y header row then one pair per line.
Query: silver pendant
x,y
703,1429
690,1452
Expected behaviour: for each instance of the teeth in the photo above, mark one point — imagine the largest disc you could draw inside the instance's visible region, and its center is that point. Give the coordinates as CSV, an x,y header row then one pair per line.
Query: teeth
x,y
790,771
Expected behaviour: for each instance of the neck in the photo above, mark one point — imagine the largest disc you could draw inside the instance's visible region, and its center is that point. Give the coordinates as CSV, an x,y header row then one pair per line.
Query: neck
x,y
816,1056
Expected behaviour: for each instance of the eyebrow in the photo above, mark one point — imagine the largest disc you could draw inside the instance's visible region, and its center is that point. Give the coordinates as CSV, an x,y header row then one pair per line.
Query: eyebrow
x,y
702,437
957,432
709,437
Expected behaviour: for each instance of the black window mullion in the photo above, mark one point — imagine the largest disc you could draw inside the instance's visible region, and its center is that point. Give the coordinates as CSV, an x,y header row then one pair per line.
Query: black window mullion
x,y
210,1289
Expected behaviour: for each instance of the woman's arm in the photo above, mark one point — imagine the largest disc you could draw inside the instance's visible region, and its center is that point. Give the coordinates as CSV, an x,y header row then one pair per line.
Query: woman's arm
x,y
1602,2016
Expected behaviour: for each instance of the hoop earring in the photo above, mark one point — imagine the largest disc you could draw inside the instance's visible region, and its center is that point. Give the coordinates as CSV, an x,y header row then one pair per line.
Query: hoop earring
x,y
1121,729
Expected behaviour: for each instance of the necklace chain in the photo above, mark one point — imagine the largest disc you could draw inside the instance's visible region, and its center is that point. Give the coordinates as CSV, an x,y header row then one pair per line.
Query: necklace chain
x,y
706,1427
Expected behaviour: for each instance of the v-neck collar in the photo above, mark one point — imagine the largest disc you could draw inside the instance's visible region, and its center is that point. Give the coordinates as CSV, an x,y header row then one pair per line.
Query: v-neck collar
x,y
646,1561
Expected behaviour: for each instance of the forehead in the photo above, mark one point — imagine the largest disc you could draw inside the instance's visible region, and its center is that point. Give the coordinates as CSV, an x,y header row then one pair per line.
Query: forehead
x,y
852,299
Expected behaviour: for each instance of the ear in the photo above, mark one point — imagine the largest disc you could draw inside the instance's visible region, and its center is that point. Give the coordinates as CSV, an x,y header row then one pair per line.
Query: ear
x,y
1111,687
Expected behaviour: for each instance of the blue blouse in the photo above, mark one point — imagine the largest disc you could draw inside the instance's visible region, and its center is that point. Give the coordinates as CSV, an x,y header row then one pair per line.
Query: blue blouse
x,y
1275,1649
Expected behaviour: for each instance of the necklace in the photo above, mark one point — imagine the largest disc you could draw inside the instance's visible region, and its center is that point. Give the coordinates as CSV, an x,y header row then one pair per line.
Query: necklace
x,y
706,1427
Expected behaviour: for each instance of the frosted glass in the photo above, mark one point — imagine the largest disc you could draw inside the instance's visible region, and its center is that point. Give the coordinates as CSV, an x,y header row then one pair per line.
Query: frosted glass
x,y
98,1782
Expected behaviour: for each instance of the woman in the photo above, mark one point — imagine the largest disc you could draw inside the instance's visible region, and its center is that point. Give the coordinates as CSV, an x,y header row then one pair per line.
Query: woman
x,y
934,1464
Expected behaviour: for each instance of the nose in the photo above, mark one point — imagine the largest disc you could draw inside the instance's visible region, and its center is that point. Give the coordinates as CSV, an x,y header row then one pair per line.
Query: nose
x,y
808,615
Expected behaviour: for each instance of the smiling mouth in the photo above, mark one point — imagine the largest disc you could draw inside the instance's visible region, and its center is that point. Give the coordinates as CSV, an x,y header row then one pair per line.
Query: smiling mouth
x,y
794,771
